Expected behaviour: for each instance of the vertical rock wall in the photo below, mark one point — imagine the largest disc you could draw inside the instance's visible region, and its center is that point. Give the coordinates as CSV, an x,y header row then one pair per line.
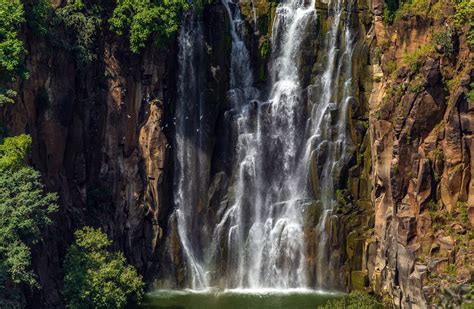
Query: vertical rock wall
x,y
421,250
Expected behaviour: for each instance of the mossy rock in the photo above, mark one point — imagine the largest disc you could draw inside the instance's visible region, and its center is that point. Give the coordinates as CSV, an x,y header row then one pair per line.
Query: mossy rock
x,y
359,280
313,212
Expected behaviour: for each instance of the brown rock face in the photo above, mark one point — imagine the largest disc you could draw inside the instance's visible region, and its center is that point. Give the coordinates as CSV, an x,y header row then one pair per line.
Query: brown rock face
x,y
422,162
102,137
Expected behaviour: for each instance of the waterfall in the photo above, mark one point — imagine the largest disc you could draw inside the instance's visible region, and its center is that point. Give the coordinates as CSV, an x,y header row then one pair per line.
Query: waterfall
x,y
190,179
328,138
262,238
263,227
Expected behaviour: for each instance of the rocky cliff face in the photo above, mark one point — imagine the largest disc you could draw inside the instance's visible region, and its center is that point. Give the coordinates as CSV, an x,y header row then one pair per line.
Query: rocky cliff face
x,y
421,251
102,138
99,142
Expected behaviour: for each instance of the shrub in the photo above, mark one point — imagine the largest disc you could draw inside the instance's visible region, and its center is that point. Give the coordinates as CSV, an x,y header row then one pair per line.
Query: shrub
x,y
82,21
142,20
465,16
419,8
391,66
12,50
25,210
38,15
445,41
470,94
264,49
415,59
97,278
417,85
389,10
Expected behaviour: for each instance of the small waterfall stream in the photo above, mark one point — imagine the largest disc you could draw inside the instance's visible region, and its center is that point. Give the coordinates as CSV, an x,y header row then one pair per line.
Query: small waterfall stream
x,y
190,181
260,239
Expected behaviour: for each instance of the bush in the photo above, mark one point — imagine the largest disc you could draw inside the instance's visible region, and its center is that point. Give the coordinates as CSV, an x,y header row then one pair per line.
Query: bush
x,y
12,50
355,300
143,20
97,278
82,21
419,8
389,10
38,16
470,94
465,16
391,66
415,59
25,210
444,40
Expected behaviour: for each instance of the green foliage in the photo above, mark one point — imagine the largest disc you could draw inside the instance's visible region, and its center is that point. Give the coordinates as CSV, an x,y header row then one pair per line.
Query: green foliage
x,y
470,94
445,41
417,85
144,19
38,15
13,151
12,50
419,8
264,49
7,96
82,21
389,10
393,93
355,300
391,66
97,278
464,16
24,212
415,59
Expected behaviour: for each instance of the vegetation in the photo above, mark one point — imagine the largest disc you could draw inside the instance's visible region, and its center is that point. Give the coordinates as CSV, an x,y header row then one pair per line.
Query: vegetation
x,y
12,50
419,8
25,210
444,40
464,16
417,84
38,15
470,94
82,20
391,66
143,20
355,300
391,6
264,49
97,278
415,59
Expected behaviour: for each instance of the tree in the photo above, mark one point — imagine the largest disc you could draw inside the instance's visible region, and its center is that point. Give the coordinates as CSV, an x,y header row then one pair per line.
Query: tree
x,y
82,20
145,19
24,213
97,278
11,47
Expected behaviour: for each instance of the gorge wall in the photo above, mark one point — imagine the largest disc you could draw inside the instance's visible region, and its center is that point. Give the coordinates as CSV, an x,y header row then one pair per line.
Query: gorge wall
x,y
104,137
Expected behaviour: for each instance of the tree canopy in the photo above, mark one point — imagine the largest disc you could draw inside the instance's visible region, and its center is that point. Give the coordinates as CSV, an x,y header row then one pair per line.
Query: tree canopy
x,y
24,213
96,277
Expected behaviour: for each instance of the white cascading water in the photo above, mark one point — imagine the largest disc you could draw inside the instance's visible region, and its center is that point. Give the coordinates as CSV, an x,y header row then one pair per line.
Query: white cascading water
x,y
190,179
259,238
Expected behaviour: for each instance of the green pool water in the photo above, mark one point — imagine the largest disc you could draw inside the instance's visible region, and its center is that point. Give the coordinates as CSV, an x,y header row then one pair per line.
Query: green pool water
x,y
237,299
